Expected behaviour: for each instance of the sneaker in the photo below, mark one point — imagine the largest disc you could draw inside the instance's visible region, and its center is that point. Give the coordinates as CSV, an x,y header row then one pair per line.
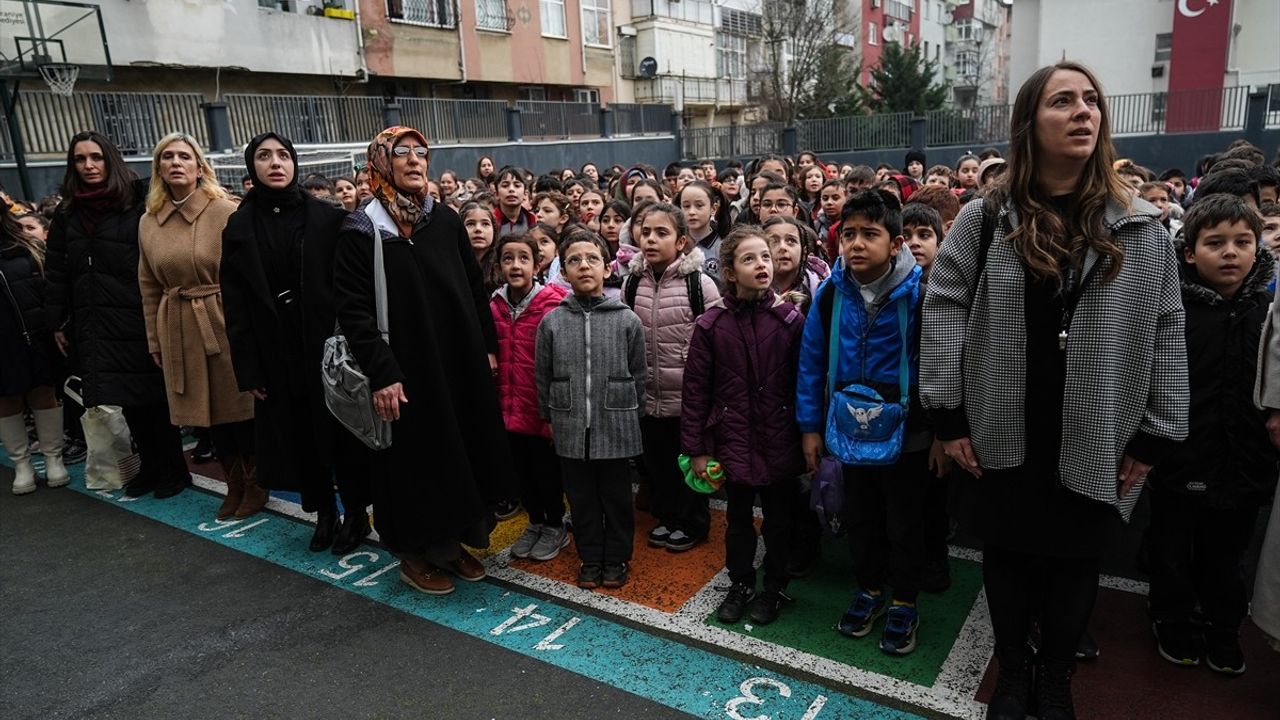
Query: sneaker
x,y
658,536
1178,642
861,614
524,544
615,575
74,451
734,603
1222,651
1088,648
678,541
506,509
590,575
764,608
549,545
900,623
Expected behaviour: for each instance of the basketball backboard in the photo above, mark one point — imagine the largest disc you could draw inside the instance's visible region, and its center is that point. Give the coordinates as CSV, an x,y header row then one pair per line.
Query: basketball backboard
x,y
40,32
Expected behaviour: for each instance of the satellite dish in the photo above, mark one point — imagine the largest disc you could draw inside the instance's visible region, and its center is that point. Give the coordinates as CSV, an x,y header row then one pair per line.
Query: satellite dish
x,y
648,67
893,33
947,18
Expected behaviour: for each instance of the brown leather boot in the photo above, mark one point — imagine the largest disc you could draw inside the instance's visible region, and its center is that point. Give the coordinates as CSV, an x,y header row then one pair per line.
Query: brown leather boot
x,y
233,469
422,576
255,496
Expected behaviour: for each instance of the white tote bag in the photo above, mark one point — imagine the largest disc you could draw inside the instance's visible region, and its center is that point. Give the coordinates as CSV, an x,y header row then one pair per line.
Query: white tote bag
x,y
111,461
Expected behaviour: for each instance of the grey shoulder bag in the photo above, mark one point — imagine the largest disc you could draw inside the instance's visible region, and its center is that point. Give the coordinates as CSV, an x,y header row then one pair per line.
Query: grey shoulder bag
x,y
347,392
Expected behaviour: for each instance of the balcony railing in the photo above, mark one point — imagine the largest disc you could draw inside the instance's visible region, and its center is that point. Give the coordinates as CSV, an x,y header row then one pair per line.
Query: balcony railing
x,y
855,132
731,142
692,91
898,10
694,11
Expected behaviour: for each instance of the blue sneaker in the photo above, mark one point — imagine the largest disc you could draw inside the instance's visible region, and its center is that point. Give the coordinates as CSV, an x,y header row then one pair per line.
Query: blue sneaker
x,y
861,614
900,625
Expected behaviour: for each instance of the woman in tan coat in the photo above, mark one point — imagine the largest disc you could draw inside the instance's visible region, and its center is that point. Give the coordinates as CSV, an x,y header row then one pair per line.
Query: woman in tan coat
x,y
180,244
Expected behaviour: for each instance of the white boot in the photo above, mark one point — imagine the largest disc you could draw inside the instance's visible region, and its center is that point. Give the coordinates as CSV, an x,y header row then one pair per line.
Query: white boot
x,y
49,430
13,434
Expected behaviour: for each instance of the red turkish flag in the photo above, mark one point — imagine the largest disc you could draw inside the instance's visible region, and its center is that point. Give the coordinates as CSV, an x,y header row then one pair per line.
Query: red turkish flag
x,y
1197,65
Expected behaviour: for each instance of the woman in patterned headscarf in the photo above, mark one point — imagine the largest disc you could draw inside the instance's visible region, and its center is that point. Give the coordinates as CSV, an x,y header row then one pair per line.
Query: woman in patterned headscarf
x,y
432,378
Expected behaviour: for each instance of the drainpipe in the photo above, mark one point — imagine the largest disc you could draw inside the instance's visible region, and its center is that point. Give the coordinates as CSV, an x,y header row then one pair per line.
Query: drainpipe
x,y
462,45
363,72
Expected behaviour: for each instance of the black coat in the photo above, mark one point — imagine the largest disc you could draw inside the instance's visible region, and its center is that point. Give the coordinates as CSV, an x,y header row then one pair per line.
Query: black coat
x,y
93,296
256,335
28,357
1227,458
449,457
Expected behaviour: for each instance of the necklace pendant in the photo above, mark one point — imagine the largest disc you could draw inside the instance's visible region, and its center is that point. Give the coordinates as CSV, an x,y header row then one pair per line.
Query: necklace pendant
x,y
275,210
1062,340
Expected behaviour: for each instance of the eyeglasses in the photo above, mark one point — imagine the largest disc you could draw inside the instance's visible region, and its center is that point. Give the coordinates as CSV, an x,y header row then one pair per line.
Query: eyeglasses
x,y
574,261
775,204
404,150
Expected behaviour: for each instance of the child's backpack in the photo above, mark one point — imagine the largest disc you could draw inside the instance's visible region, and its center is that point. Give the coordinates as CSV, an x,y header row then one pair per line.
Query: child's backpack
x,y
692,284
862,427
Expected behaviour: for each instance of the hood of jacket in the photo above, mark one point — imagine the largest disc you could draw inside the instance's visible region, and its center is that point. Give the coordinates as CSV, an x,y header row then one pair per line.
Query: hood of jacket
x,y
685,264
1195,288
607,304
892,287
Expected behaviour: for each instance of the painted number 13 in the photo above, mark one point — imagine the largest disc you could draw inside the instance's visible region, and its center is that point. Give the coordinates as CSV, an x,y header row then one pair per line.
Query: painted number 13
x,y
748,697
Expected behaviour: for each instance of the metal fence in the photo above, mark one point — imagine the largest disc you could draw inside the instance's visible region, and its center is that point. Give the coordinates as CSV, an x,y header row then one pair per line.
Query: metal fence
x,y
635,119
731,142
133,121
1211,110
855,132
455,121
558,120
967,126
305,119
331,164
1273,106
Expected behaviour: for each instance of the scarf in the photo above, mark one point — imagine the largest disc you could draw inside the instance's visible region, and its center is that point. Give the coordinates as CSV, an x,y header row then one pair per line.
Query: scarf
x,y
279,218
405,209
92,204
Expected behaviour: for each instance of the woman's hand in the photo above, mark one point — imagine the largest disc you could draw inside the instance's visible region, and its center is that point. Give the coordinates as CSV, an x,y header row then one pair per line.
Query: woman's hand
x,y
939,462
64,345
155,357
386,402
259,393
961,451
1132,472
699,466
1273,427
493,364
812,445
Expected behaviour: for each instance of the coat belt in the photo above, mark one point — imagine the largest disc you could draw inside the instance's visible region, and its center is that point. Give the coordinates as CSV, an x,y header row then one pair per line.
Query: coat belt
x,y
173,354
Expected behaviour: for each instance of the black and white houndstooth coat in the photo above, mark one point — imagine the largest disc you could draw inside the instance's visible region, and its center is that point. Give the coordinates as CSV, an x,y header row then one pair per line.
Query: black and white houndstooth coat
x,y
1126,385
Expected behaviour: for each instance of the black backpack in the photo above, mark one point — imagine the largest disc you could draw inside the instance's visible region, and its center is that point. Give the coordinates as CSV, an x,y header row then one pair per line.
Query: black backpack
x,y
692,284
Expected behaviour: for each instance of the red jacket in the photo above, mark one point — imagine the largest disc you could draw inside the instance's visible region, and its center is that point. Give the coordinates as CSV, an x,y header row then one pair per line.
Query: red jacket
x,y
517,335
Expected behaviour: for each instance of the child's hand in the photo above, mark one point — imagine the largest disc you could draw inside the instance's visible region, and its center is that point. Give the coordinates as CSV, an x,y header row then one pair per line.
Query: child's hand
x,y
938,460
812,445
699,466
961,451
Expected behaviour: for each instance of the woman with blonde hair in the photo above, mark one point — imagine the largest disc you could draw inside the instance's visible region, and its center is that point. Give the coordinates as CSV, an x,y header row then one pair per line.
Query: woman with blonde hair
x,y
179,269
1054,367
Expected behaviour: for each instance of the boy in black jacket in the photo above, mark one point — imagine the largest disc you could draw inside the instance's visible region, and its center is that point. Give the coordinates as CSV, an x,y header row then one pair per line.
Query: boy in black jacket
x,y
1205,498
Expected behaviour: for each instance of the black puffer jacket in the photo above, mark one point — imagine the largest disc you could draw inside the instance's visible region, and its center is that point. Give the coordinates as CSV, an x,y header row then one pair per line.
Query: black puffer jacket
x,y
1227,458
93,296
23,286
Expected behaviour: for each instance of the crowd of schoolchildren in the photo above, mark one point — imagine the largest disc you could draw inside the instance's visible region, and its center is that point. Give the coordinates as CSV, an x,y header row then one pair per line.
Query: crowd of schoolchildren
x,y
752,331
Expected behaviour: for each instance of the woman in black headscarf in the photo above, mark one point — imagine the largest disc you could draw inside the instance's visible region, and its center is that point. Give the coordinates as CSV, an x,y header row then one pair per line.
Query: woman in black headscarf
x,y
277,285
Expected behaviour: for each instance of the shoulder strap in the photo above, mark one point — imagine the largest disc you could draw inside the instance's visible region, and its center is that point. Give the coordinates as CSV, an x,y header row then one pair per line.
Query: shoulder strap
x,y
984,245
631,289
380,284
833,339
904,359
693,286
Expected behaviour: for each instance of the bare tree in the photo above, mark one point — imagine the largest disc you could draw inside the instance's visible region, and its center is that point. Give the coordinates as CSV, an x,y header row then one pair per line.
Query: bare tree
x,y
800,46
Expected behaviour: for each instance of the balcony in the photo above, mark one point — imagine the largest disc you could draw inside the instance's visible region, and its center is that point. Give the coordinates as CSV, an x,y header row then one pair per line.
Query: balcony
x,y
898,10
965,32
701,12
692,91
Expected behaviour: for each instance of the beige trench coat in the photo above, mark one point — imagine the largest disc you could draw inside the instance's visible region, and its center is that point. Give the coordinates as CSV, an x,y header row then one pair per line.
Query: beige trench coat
x,y
178,271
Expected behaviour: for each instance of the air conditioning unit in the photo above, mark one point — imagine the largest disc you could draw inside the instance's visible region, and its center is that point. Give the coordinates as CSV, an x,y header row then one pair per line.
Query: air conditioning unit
x,y
875,3
1157,71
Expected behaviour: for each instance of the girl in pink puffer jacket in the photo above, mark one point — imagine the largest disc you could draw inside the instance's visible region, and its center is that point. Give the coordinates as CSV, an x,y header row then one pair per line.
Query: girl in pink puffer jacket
x,y
665,283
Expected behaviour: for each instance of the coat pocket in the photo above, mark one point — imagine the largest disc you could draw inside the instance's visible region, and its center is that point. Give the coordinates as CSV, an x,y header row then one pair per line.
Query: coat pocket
x,y
561,397
620,394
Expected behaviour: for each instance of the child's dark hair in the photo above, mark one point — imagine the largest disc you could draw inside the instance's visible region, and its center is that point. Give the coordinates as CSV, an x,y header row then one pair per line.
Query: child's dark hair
x,y
729,246
317,182
989,152
580,234
472,205
550,231
861,174
832,183
619,206
1172,173
1269,210
1265,176
1231,181
35,215
547,183
916,214
942,170
789,189
721,220
517,238
1246,151
650,183
1158,185
940,199
877,206
559,199
674,213
515,173
808,238
1217,208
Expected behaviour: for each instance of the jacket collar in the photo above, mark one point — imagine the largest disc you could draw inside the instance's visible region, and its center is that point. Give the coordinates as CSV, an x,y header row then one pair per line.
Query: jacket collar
x,y
607,304
1116,214
891,287
190,210
381,219
1255,283
684,265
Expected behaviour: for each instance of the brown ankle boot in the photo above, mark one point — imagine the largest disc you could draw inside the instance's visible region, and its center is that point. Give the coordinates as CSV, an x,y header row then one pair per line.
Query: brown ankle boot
x,y
233,469
255,496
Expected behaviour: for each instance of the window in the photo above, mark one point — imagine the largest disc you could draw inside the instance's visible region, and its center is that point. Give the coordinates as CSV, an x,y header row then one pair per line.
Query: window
x,y
588,95
596,23
731,56
133,126
627,57
533,93
967,64
968,30
436,13
552,17
740,22
1164,47
492,15
873,34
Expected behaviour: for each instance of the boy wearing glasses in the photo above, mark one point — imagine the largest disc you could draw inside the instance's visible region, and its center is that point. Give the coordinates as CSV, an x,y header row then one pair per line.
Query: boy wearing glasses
x,y
590,371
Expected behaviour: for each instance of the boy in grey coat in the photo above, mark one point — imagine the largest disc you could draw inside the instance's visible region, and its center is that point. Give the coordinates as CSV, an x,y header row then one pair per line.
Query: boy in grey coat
x,y
590,370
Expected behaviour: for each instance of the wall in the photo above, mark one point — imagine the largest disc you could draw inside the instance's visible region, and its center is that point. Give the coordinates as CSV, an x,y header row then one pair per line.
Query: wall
x,y
228,33
1255,56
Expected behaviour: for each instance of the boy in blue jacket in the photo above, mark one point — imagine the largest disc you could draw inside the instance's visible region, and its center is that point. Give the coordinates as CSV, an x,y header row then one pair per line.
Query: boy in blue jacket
x,y
883,504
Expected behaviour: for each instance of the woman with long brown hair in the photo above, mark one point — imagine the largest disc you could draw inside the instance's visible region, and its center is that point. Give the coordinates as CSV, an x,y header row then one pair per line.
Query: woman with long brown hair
x,y
1054,366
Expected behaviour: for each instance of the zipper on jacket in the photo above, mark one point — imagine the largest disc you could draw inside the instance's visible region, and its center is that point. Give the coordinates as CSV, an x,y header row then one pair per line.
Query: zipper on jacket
x,y
653,340
587,346
17,311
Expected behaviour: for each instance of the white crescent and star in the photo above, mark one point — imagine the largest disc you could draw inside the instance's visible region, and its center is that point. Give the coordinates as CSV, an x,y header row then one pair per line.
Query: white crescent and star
x,y
1186,11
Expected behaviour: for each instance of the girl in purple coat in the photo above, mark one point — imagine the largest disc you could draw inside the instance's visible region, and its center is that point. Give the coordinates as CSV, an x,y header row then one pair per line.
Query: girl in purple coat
x,y
739,386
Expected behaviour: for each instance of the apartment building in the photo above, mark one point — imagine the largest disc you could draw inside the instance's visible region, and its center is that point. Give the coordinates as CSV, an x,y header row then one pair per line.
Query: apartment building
x,y
977,52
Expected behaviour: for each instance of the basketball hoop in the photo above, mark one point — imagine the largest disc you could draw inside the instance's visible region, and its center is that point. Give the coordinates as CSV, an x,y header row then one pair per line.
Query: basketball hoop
x,y
61,77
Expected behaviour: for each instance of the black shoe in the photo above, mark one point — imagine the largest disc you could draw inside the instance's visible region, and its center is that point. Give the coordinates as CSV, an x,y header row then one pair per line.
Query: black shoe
x,y
802,564
1178,642
326,529
74,451
734,603
142,484
506,509
1222,651
355,528
590,575
614,575
764,607
679,541
1013,685
1088,648
203,451
935,576
1053,690
172,486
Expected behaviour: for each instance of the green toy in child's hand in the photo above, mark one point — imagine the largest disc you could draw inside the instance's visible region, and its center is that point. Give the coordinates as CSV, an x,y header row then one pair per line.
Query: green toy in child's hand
x,y
714,470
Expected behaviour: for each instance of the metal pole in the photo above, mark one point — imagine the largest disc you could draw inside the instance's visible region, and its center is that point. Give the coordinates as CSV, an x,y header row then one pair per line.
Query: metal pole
x,y
10,102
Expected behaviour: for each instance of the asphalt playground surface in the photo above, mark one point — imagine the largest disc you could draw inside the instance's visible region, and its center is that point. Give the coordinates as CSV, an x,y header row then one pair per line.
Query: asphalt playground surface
x,y
114,608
